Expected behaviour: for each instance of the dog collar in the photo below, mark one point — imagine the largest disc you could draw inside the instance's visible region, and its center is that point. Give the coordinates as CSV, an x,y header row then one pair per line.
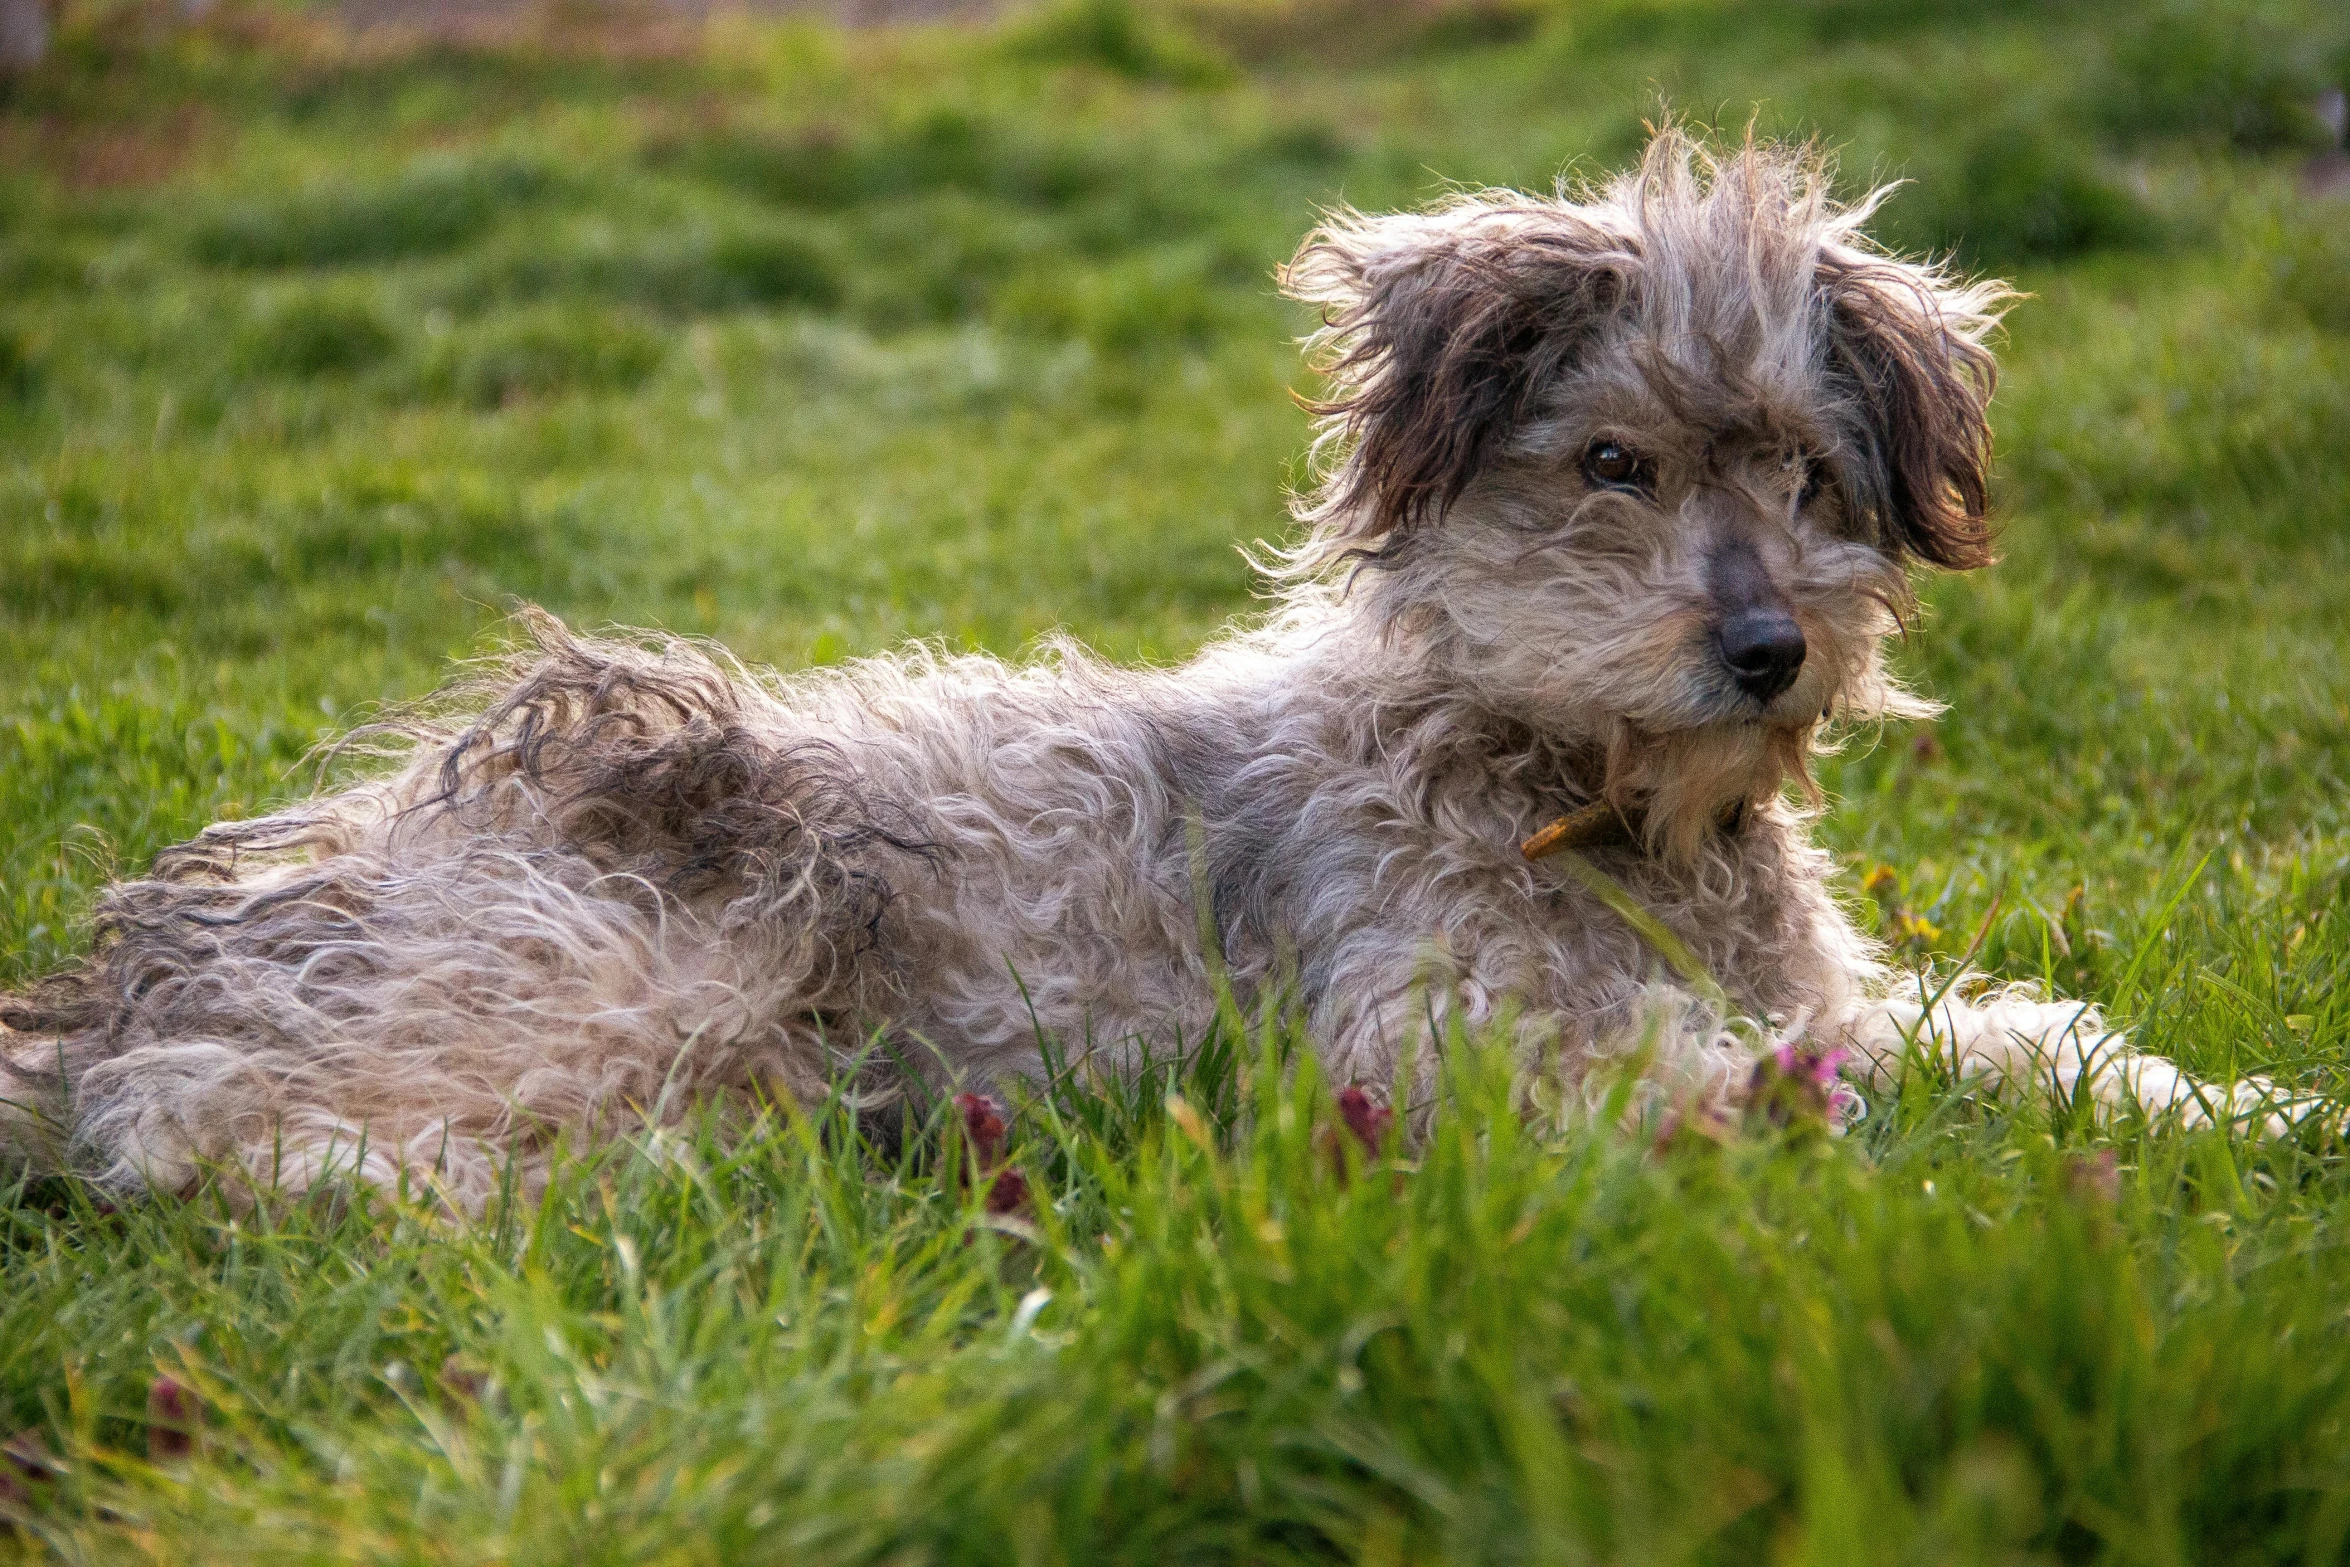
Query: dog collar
x,y
1605,825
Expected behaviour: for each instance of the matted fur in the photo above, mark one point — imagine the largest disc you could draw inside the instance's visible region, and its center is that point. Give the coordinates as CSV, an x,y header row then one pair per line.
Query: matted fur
x,y
603,879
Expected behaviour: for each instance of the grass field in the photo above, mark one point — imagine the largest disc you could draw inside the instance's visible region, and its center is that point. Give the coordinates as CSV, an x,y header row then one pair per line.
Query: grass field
x,y
314,357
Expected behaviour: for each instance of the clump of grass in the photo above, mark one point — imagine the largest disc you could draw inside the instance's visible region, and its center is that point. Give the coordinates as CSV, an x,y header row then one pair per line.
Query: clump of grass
x,y
317,331
437,204
402,521
769,265
2246,71
538,354
1119,36
2313,266
86,576
1359,32
686,268
2017,193
938,148
20,368
1163,298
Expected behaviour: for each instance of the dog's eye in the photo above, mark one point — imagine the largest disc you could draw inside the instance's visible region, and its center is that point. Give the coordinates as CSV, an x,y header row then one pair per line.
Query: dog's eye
x,y
1615,466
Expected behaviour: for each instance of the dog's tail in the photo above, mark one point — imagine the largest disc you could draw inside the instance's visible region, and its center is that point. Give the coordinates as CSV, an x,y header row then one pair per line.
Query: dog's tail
x,y
35,1121
604,877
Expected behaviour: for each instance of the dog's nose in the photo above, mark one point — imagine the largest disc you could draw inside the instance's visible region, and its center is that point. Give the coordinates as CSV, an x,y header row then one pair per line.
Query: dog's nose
x,y
1763,649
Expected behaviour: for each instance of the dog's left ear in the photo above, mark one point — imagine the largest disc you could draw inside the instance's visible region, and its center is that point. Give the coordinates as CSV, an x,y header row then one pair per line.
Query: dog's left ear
x,y
1905,346
1437,330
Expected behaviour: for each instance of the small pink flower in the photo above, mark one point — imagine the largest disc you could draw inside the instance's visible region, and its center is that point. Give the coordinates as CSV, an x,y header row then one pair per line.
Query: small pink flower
x,y
1798,1083
1007,1194
173,1412
1368,1121
984,1128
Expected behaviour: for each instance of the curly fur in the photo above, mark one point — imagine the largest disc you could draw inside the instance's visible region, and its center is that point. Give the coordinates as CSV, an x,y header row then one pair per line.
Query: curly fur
x,y
603,879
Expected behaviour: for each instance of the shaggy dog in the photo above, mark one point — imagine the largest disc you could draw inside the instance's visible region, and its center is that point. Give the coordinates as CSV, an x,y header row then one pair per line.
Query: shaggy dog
x,y
1622,492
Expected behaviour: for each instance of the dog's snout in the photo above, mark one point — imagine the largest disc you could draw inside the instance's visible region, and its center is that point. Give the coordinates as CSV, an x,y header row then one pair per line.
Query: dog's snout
x,y
1757,638
1763,649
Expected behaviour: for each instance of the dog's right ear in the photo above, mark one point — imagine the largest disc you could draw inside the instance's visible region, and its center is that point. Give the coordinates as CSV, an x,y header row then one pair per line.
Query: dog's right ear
x,y
1438,330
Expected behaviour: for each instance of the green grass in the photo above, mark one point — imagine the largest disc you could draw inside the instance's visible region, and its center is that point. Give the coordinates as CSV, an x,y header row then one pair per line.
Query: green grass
x,y
311,361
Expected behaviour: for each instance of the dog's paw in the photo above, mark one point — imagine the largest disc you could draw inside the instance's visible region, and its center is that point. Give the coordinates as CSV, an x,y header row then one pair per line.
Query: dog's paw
x,y
2018,1046
2158,1089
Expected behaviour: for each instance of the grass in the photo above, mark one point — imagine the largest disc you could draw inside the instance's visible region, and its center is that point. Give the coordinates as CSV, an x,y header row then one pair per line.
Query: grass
x,y
312,359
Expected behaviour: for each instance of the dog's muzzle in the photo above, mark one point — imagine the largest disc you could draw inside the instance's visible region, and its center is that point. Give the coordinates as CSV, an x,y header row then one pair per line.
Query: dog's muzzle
x,y
1756,638
1763,649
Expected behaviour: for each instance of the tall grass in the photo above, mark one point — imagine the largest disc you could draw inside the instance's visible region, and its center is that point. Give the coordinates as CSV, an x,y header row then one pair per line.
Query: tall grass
x,y
1238,1338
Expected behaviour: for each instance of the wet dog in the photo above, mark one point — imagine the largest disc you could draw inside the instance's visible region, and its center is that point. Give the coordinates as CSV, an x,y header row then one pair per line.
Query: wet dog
x,y
1622,491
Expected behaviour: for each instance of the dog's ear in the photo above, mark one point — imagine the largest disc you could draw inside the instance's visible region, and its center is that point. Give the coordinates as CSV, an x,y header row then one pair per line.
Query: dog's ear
x,y
1438,328
1905,350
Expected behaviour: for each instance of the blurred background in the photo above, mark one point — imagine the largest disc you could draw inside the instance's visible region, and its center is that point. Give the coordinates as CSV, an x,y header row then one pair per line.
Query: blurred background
x,y
328,331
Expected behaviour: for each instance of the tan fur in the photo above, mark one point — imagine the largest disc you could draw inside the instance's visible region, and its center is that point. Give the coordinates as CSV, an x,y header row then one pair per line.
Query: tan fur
x,y
604,879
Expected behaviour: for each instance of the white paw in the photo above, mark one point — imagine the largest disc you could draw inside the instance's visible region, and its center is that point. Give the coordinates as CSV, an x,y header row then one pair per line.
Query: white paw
x,y
2015,1045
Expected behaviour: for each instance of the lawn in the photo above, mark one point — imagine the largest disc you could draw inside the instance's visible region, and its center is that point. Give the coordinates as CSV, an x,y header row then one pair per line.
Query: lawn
x,y
317,354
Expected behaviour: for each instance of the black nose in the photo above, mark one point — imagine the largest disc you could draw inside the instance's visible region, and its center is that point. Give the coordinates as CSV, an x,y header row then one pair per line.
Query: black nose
x,y
1763,649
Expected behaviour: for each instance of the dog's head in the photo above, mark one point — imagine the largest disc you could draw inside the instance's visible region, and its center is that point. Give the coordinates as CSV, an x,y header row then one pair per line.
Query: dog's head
x,y
1647,467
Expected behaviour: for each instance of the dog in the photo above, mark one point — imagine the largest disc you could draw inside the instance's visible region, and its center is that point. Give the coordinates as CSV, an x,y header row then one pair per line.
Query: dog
x,y
1619,494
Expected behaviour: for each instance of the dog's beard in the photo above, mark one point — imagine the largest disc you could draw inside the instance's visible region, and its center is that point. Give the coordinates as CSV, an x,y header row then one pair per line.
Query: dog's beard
x,y
1681,784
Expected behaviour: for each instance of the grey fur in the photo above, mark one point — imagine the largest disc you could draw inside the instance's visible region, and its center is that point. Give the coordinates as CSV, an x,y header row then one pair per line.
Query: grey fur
x,y
606,878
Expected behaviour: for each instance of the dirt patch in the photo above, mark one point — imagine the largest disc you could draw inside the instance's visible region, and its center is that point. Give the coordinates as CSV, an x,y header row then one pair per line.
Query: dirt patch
x,y
110,156
633,25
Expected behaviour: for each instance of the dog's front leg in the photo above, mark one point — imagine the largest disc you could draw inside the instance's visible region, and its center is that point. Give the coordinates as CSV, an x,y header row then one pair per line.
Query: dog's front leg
x,y
2019,1044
